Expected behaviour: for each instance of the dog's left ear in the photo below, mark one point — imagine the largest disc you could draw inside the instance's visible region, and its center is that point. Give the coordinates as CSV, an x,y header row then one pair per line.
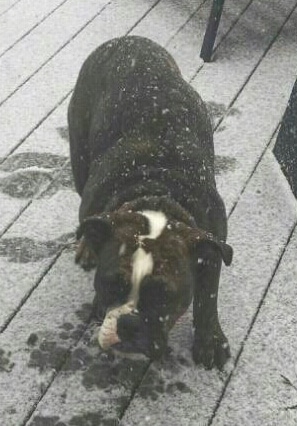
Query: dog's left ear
x,y
96,230
226,251
196,236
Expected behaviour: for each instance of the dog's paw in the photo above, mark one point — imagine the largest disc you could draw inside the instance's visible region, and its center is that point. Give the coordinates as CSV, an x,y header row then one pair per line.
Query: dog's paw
x,y
84,256
211,349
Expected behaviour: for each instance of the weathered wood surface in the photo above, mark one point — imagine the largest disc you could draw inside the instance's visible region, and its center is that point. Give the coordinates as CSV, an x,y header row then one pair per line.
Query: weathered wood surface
x,y
51,370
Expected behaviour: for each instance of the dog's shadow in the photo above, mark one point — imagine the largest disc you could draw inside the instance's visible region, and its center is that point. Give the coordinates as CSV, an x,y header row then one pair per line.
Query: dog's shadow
x,y
29,174
25,250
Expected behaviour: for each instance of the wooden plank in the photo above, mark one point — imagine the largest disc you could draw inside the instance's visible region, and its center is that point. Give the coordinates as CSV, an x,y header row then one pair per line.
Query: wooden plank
x,y
263,385
166,19
42,155
45,89
35,345
28,14
5,5
29,247
17,66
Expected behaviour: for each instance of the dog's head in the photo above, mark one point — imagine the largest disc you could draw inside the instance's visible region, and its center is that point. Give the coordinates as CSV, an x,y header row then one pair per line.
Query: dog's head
x,y
145,275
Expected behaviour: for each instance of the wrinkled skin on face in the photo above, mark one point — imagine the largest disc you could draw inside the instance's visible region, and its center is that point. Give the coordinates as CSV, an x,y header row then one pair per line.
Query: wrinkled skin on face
x,y
140,302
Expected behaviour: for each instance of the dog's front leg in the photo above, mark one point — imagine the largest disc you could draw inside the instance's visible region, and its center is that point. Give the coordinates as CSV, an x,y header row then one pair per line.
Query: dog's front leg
x,y
210,344
99,307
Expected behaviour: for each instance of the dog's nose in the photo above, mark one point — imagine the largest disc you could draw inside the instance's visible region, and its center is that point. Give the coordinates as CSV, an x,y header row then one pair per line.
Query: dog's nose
x,y
128,327
135,336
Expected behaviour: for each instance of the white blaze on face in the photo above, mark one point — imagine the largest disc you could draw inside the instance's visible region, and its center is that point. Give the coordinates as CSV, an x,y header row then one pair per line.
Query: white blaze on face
x,y
157,222
142,262
142,265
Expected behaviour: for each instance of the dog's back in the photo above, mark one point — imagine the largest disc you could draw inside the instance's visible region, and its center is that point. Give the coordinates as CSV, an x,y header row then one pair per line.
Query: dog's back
x,y
138,128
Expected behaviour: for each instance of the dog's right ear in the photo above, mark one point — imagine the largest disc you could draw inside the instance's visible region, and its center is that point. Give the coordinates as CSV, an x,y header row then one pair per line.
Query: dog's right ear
x,y
96,230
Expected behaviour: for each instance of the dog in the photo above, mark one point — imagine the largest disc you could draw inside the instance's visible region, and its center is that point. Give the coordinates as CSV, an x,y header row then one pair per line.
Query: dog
x,y
151,219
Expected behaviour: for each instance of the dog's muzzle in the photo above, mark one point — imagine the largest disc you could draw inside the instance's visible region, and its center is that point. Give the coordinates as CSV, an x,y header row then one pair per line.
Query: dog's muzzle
x,y
126,331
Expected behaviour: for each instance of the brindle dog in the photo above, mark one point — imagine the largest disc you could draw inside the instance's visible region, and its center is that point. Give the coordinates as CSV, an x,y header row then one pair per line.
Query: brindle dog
x,y
150,215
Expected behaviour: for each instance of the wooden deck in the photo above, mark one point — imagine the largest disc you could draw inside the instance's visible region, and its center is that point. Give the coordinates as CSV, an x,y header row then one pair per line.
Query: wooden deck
x,y
52,372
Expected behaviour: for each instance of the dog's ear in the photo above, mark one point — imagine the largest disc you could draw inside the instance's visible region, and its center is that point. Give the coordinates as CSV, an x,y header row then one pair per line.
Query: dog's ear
x,y
224,248
96,230
226,251
195,237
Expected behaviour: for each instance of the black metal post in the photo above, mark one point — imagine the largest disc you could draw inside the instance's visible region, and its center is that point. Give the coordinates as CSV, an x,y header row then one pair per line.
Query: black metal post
x,y
211,30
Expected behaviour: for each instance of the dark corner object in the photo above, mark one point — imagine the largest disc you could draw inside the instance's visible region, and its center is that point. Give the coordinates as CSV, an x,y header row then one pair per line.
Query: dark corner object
x,y
211,30
285,148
